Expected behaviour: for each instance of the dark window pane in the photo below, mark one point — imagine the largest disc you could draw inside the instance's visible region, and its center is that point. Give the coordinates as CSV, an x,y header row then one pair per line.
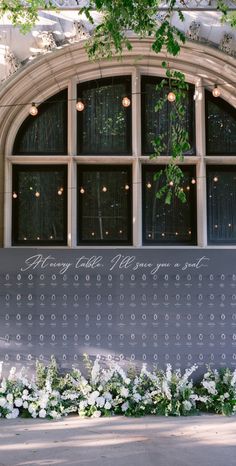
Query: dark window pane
x,y
39,205
157,123
104,204
221,203
221,126
45,133
104,124
174,223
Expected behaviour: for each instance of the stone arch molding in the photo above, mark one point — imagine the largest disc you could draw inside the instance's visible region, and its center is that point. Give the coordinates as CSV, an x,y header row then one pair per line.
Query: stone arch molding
x,y
45,76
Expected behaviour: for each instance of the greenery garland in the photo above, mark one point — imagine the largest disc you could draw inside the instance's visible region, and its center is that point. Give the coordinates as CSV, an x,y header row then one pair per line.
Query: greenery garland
x,y
111,390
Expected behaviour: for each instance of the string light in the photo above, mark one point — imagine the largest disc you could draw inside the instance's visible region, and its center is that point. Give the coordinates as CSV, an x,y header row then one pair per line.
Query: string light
x,y
188,188
193,181
37,194
14,195
80,106
171,97
149,185
82,190
215,179
104,189
171,183
216,91
60,192
126,187
33,109
126,101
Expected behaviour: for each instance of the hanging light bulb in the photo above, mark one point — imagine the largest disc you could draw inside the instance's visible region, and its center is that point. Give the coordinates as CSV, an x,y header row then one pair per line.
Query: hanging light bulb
x,y
171,96
82,190
60,191
104,189
126,101
33,109
149,185
127,187
79,106
171,183
215,179
216,91
14,195
37,194
193,181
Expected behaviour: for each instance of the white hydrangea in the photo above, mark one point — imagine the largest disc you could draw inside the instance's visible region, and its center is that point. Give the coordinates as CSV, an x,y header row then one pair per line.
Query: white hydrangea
x,y
93,397
3,401
187,405
124,392
96,414
18,402
210,386
42,413
107,405
100,401
124,407
13,414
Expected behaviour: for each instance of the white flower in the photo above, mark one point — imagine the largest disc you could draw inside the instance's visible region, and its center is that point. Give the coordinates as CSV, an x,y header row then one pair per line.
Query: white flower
x,y
100,401
96,414
127,381
31,408
107,396
10,398
93,397
124,407
13,415
18,402
3,402
55,415
137,397
187,405
124,392
83,405
210,386
107,405
25,404
42,413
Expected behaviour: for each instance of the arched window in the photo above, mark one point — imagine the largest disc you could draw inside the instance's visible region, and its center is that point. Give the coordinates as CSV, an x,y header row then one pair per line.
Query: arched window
x,y
46,133
103,191
220,127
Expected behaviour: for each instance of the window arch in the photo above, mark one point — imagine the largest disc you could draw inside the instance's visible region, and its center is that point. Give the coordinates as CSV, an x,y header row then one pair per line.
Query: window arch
x,y
220,126
46,133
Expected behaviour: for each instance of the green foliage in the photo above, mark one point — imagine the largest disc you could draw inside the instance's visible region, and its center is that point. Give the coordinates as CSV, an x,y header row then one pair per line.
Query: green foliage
x,y
24,13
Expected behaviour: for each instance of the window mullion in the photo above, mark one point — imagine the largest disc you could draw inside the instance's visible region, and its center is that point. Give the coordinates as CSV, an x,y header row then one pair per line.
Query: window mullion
x,y
201,168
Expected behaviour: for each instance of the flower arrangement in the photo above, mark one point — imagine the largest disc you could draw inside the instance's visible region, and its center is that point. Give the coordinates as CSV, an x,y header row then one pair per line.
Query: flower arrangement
x,y
111,390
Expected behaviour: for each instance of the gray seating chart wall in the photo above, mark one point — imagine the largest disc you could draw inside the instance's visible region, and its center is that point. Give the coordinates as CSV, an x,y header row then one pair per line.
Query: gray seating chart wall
x,y
153,306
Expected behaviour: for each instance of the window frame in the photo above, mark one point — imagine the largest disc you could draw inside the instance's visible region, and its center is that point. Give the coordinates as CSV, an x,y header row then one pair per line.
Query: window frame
x,y
105,168
15,218
93,84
